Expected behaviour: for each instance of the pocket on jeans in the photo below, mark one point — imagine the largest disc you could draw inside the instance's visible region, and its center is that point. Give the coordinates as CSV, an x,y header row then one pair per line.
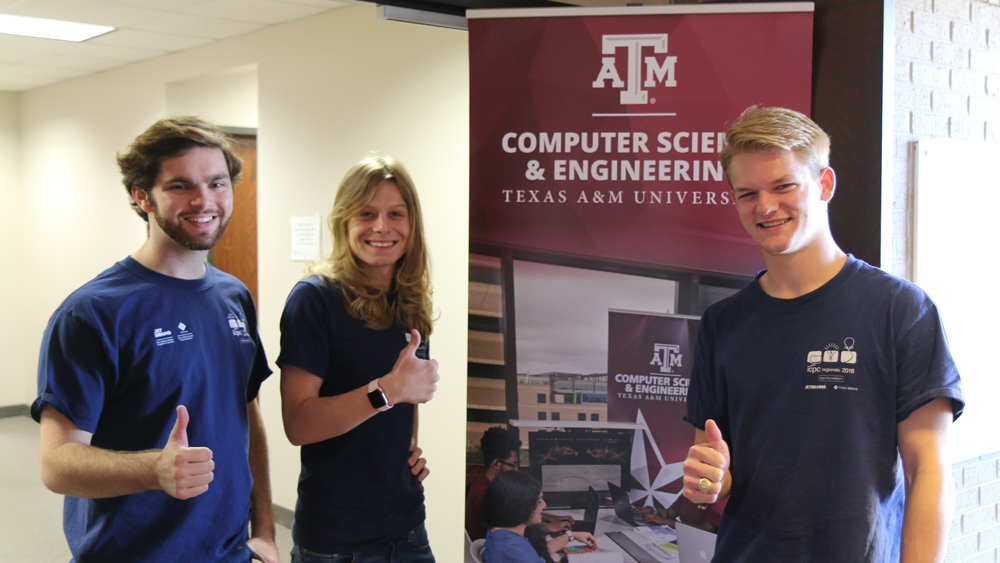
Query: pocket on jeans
x,y
313,557
418,537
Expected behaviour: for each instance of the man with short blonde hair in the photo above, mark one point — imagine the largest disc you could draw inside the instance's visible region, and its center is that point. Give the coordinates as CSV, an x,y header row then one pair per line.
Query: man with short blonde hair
x,y
812,383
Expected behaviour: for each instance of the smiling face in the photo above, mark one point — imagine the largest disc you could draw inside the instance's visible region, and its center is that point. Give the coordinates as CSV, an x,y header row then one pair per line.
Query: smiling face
x,y
781,202
536,516
378,234
191,201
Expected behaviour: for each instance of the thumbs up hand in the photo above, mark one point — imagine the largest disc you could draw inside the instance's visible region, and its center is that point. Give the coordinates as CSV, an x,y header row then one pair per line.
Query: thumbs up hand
x,y
181,471
411,380
707,461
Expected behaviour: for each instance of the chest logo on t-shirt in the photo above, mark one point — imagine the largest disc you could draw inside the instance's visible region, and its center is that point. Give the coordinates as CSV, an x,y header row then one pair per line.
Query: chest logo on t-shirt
x,y
164,336
832,365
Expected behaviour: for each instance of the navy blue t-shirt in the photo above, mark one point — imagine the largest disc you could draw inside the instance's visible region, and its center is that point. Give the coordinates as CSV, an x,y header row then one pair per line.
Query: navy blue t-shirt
x,y
117,358
808,393
355,489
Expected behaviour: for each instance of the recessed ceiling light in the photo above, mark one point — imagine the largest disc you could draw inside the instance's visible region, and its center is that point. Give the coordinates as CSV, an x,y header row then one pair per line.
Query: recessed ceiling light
x,y
50,29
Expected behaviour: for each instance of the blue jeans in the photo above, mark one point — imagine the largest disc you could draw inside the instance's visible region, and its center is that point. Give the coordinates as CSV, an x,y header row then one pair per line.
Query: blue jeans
x,y
411,547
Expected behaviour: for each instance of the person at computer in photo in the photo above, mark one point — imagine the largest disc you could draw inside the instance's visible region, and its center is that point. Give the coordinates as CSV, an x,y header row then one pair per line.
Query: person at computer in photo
x,y
513,501
501,452
682,510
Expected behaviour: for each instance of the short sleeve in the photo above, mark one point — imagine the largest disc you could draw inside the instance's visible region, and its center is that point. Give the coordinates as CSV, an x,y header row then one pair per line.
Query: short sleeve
x,y
705,399
259,371
305,330
75,371
925,368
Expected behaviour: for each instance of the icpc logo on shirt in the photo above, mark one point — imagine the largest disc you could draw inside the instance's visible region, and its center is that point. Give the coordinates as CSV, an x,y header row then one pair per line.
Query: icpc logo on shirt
x,y
655,69
238,326
833,364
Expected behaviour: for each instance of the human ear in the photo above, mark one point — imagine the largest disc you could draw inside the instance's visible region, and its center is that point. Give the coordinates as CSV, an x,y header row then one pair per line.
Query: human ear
x,y
141,198
828,183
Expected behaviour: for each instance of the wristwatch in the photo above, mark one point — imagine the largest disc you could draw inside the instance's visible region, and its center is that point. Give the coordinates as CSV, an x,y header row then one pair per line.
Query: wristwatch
x,y
569,534
377,397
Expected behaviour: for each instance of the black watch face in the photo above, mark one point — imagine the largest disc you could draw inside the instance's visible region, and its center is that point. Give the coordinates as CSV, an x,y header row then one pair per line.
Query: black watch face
x,y
376,398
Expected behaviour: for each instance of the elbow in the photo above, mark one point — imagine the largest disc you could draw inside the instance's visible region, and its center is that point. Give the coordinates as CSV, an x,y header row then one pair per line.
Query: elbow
x,y
52,478
295,433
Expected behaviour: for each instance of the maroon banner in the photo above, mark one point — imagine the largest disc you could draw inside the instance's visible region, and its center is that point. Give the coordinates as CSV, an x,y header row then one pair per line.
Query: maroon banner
x,y
598,136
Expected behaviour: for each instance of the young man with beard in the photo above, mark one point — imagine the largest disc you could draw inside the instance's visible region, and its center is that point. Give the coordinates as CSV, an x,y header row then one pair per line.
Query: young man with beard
x,y
149,374
822,393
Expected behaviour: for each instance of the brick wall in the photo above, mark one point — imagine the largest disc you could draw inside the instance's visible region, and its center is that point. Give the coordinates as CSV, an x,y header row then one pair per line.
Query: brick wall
x,y
947,80
947,85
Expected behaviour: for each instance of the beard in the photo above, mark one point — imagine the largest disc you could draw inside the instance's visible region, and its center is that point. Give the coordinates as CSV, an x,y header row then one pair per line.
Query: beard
x,y
175,230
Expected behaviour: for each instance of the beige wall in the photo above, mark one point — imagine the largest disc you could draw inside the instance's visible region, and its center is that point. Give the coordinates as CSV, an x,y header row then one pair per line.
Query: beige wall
x,y
15,388
331,88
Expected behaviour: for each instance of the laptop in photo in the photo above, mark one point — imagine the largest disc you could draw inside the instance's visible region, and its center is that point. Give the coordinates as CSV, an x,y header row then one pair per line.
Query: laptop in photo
x,y
589,521
623,506
694,544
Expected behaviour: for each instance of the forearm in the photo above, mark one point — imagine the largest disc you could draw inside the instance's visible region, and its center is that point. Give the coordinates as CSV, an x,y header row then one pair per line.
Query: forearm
x,y
927,519
315,419
84,471
557,543
262,516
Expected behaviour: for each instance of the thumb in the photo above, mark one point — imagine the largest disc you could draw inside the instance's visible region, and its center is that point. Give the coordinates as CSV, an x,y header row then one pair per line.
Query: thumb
x,y
714,436
414,343
179,434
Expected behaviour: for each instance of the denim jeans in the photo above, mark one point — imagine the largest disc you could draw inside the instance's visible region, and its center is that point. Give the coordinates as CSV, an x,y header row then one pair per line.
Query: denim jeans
x,y
411,547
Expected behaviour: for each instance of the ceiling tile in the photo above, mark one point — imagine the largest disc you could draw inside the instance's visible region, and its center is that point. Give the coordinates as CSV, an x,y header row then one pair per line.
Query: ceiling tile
x,y
41,71
56,61
82,11
148,40
109,52
195,26
20,83
328,4
265,12
159,5
14,47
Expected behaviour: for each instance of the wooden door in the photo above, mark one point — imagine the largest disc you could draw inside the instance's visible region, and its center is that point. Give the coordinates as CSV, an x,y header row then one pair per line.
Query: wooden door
x,y
236,251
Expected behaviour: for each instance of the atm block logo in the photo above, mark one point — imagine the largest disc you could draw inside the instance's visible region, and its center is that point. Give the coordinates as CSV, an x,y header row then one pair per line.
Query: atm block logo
x,y
644,69
666,357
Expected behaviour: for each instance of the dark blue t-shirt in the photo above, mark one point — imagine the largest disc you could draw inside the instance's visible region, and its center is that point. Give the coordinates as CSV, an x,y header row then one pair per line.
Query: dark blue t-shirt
x,y
117,358
808,393
355,489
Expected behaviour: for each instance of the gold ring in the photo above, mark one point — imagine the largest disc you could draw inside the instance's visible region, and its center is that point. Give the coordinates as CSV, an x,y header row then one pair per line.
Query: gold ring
x,y
704,485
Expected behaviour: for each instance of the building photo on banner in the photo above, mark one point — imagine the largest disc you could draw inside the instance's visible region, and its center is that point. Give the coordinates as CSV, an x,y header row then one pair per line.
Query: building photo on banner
x,y
601,228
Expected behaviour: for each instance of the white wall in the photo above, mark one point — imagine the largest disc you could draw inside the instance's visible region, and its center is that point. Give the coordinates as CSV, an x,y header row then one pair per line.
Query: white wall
x,y
228,98
15,389
331,88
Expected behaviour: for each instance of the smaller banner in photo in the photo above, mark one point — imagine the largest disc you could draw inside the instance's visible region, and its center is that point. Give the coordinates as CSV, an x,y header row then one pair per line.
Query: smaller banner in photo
x,y
649,369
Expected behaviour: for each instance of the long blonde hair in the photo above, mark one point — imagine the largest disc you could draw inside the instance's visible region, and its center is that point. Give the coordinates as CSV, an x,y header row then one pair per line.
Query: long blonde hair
x,y
408,299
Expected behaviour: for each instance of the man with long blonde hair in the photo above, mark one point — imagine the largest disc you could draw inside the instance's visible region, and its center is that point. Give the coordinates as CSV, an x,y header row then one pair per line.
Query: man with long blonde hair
x,y
354,365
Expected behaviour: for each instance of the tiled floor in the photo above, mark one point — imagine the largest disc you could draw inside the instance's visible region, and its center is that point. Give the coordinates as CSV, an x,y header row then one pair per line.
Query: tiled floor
x,y
31,515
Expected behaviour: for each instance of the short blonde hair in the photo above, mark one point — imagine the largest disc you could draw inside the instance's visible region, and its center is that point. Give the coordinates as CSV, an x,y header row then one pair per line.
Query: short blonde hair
x,y
761,129
408,299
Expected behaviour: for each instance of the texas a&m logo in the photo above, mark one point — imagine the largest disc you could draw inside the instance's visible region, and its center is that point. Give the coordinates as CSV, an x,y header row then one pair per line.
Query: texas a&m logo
x,y
657,70
666,357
